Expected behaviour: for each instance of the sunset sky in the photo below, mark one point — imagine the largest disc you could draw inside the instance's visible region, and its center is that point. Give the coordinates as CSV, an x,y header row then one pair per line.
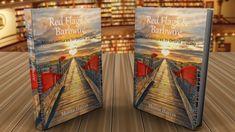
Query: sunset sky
x,y
195,20
186,47
87,42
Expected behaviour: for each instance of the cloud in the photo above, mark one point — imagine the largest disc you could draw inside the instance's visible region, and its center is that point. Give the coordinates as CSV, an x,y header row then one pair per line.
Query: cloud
x,y
195,19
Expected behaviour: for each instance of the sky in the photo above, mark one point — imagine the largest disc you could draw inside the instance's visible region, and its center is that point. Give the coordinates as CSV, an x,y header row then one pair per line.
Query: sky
x,y
193,31
53,51
194,18
86,43
91,17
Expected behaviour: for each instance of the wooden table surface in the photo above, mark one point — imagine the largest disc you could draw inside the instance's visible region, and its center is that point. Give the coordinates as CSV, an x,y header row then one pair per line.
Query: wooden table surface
x,y
118,113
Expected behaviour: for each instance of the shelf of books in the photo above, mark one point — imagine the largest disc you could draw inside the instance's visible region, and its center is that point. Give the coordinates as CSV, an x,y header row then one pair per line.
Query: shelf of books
x,y
47,4
123,13
220,44
70,4
106,13
85,3
117,13
20,23
173,3
67,4
118,43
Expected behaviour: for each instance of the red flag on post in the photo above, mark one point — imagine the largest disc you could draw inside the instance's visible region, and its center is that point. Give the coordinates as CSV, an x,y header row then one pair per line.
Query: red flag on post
x,y
142,69
34,79
154,55
86,66
62,58
92,64
189,74
49,79
58,76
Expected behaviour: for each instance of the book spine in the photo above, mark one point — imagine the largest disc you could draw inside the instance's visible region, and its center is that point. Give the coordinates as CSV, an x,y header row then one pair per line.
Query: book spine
x,y
35,72
204,69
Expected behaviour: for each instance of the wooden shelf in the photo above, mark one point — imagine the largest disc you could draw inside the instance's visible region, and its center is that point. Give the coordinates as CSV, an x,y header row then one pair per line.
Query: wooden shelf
x,y
117,43
173,3
20,23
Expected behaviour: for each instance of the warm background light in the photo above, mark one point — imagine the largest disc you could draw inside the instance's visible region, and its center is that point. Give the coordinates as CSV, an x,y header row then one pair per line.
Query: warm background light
x,y
118,18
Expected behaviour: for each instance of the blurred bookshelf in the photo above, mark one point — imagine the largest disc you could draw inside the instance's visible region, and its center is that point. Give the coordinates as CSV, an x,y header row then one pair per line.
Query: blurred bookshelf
x,y
171,3
121,14
218,43
106,13
118,13
20,23
118,43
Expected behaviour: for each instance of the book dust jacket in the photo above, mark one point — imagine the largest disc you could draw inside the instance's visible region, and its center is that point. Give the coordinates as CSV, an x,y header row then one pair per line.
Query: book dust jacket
x,y
65,63
171,59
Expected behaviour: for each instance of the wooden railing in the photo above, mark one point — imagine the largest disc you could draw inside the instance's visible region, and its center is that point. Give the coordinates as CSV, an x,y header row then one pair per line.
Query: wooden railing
x,y
185,100
93,86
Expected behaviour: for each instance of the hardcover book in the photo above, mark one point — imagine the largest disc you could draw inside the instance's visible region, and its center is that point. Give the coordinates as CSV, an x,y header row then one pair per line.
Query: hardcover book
x,y
65,63
171,58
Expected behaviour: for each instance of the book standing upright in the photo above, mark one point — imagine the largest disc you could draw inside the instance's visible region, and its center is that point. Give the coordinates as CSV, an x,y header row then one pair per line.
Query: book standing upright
x,y
65,63
171,59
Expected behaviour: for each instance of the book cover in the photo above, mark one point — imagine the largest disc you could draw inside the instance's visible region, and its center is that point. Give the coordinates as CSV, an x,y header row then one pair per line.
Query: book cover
x,y
65,63
171,58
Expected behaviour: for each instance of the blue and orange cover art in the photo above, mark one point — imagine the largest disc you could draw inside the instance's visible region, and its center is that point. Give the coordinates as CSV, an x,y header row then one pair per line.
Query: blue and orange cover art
x,y
65,63
170,50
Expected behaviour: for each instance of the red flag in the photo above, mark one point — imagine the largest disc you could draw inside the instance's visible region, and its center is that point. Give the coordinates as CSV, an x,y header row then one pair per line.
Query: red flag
x,y
86,66
92,64
177,73
154,55
148,70
58,76
189,74
34,80
142,69
48,80
62,58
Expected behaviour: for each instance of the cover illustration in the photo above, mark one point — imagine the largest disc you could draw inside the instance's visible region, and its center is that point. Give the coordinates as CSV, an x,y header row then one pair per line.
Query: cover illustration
x,y
171,57
65,63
